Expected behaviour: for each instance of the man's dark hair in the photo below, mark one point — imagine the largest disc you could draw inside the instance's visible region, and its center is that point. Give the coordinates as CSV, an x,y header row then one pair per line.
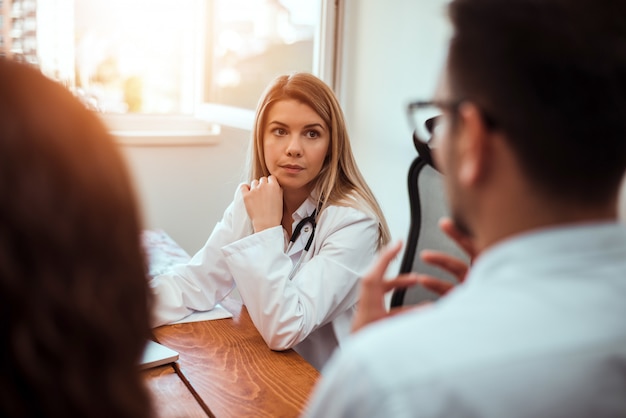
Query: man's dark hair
x,y
551,74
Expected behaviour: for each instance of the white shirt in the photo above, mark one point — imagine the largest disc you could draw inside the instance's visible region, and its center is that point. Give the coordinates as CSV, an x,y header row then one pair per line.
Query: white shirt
x,y
312,312
537,330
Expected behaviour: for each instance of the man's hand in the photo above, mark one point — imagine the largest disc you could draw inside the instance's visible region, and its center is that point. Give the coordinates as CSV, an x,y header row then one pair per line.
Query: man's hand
x,y
371,306
458,268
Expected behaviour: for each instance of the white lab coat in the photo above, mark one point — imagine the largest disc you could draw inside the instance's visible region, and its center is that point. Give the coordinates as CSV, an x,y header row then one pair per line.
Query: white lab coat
x,y
311,313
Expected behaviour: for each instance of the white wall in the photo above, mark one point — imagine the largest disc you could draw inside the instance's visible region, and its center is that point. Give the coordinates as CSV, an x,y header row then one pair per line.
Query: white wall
x,y
184,190
392,54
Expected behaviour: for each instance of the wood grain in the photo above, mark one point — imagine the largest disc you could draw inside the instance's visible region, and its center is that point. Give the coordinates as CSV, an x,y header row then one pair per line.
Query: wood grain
x,y
234,372
170,397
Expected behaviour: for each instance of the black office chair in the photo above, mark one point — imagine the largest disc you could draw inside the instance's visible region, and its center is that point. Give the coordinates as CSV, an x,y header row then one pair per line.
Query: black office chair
x,y
428,205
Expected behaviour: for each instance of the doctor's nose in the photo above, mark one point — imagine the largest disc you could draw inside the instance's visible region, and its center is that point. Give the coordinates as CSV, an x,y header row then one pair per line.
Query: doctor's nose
x,y
294,148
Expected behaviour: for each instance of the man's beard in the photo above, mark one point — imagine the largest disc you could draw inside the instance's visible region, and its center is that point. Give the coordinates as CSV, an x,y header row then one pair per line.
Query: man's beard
x,y
461,225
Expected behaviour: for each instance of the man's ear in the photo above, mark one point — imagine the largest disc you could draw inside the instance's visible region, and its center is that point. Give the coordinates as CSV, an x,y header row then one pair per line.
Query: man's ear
x,y
473,145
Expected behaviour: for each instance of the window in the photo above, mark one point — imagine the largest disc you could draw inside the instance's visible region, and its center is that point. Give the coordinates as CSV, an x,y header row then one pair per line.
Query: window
x,y
137,56
171,65
253,42
176,56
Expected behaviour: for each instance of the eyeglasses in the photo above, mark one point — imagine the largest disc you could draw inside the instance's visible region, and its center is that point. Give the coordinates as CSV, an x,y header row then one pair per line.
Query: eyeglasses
x,y
426,120
425,117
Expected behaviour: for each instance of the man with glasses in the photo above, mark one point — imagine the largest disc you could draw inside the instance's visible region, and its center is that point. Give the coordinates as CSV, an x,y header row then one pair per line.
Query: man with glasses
x,y
530,135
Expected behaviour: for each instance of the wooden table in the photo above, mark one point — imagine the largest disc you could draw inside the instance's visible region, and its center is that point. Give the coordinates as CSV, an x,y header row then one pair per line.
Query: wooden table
x,y
225,369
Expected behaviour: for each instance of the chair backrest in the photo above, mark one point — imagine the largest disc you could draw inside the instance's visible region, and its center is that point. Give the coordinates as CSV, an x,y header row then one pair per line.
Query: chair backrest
x,y
428,205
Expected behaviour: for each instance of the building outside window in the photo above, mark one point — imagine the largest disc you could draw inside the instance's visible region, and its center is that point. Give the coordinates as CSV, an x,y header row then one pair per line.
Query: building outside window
x,y
163,56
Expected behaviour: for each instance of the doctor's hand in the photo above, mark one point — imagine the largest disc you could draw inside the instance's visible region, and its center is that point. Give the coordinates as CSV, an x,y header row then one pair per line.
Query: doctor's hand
x,y
371,306
456,267
264,202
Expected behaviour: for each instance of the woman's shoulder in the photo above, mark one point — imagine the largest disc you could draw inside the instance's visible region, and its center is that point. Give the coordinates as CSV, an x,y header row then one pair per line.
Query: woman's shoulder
x,y
350,210
353,204
340,220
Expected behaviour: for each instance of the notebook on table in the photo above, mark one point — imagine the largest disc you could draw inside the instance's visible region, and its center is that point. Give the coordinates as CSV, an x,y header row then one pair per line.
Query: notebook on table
x,y
156,354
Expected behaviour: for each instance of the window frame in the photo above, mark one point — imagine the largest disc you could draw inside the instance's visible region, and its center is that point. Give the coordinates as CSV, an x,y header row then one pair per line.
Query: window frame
x,y
203,127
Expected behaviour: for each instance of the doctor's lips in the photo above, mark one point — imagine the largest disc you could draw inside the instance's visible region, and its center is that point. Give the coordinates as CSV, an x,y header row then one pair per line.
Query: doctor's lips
x,y
292,168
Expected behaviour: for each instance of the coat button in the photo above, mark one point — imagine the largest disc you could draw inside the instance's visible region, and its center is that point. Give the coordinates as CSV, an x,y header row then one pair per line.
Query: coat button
x,y
307,229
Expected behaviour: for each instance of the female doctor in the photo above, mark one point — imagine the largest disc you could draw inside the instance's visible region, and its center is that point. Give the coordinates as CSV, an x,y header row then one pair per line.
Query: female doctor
x,y
297,238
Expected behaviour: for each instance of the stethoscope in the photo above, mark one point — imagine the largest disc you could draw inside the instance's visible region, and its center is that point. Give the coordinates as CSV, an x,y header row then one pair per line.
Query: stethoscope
x,y
294,236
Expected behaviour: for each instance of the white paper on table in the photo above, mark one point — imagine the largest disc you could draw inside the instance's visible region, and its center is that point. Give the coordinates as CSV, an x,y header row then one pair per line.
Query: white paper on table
x,y
163,253
218,312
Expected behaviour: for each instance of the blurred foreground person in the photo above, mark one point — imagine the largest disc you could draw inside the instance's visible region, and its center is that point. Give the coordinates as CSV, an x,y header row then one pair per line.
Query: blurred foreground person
x,y
74,297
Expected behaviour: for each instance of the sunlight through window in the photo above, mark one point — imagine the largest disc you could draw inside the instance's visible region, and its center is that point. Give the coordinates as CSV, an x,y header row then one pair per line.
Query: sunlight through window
x,y
163,56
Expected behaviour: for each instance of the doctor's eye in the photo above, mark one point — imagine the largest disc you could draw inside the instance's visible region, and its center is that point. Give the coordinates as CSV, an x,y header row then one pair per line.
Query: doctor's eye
x,y
312,134
279,131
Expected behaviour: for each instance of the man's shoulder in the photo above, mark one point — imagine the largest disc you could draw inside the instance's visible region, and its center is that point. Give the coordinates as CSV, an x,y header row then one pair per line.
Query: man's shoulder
x,y
423,360
425,335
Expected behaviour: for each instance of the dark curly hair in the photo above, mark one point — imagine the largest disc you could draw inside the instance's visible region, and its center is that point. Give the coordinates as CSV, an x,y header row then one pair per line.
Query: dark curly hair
x,y
74,298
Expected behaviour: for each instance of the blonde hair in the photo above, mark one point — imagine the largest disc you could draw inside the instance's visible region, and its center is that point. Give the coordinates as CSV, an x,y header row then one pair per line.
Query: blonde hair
x,y
340,180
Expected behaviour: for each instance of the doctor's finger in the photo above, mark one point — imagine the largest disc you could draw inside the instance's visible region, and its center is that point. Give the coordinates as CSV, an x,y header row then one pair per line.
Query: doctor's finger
x,y
272,179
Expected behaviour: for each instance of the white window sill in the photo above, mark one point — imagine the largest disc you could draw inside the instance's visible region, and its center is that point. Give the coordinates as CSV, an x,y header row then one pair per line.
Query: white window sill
x,y
174,138
177,130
